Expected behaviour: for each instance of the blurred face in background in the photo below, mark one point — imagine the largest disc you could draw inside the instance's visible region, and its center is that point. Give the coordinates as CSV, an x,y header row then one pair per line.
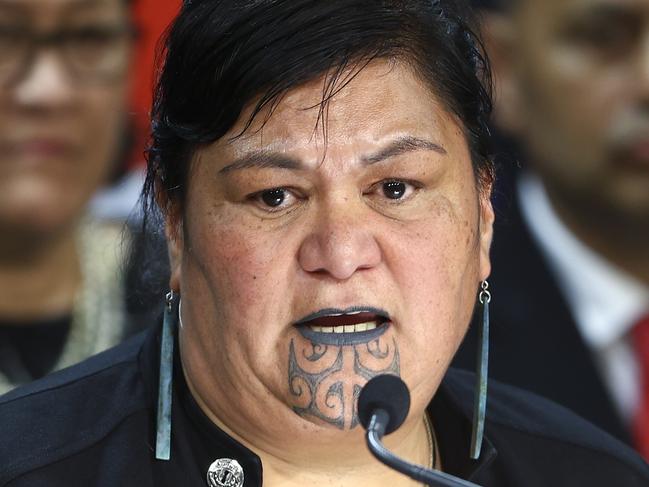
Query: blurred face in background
x,y
573,83
63,69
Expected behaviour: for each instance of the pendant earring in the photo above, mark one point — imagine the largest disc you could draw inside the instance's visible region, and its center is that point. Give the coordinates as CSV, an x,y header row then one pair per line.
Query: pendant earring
x,y
169,325
480,394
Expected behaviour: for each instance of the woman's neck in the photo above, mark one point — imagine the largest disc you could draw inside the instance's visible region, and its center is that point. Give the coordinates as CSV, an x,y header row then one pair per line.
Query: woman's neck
x,y
323,457
38,277
365,470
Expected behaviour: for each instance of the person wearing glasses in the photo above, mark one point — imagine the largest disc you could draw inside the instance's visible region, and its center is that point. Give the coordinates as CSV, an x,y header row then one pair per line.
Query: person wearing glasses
x,y
63,95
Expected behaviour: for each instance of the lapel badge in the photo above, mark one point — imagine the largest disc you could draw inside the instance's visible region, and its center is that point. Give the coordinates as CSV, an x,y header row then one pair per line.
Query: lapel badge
x,y
225,472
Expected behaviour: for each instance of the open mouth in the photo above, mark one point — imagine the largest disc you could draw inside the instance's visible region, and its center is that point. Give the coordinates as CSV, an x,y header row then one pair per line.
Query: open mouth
x,y
344,327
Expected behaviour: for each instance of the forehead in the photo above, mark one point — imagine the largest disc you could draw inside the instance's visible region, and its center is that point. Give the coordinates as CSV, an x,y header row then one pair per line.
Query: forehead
x,y
384,99
47,13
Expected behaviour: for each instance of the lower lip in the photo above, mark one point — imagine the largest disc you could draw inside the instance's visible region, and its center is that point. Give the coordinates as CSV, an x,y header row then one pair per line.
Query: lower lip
x,y
342,339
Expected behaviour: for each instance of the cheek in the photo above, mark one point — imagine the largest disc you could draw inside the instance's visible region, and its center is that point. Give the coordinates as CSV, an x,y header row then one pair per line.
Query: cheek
x,y
44,198
437,269
571,101
246,270
104,124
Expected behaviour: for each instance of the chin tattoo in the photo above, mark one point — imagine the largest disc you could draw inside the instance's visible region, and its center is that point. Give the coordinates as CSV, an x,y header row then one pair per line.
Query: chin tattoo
x,y
325,380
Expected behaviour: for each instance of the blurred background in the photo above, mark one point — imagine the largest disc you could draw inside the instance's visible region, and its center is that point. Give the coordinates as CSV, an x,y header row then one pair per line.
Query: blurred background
x,y
76,79
151,17
570,256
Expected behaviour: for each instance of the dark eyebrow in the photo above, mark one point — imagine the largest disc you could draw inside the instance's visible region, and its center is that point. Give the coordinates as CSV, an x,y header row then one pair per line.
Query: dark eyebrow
x,y
264,159
403,145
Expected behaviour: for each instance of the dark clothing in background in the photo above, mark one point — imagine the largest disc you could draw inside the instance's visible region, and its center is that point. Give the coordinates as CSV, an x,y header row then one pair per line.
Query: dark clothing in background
x,y
109,308
94,425
535,343
29,351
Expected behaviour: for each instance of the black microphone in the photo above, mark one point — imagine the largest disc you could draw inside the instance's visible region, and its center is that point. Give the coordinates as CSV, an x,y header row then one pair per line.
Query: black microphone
x,y
383,406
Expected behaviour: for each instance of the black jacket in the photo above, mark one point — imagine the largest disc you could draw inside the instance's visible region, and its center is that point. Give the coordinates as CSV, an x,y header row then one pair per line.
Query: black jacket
x,y
535,343
94,425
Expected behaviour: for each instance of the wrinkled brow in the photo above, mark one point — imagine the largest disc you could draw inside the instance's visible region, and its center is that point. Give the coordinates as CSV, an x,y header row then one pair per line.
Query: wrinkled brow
x,y
263,159
401,146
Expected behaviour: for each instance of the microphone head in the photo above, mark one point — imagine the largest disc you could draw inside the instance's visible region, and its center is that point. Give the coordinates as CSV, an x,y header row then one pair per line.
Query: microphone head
x,y
387,392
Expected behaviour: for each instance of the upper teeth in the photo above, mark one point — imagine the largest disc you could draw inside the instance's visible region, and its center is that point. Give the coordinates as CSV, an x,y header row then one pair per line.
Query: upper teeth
x,y
370,325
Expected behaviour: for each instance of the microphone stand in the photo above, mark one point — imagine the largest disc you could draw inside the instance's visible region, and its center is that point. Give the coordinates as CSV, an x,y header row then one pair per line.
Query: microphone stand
x,y
433,478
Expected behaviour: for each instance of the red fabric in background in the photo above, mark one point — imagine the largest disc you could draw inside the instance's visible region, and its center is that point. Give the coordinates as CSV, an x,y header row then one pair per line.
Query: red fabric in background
x,y
152,18
640,334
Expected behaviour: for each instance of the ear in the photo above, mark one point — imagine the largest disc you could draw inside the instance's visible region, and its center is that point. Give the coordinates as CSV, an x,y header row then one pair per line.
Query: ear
x,y
172,212
486,229
500,41
175,247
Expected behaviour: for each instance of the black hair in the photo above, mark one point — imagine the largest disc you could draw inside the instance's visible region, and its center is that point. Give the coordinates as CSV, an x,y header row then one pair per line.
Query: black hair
x,y
221,55
494,5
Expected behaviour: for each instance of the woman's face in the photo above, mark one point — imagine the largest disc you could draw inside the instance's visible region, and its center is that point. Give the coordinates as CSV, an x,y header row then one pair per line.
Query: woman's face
x,y
286,235
59,131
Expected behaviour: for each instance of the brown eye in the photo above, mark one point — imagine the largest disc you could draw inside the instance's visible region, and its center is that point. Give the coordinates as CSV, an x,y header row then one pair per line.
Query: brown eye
x,y
273,197
394,190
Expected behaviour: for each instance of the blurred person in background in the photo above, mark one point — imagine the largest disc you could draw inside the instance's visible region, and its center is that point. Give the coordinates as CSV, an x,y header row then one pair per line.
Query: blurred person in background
x,y
572,254
63,122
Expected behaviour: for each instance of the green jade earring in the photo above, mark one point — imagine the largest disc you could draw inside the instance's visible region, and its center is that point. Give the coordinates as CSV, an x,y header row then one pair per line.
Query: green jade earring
x,y
482,372
169,326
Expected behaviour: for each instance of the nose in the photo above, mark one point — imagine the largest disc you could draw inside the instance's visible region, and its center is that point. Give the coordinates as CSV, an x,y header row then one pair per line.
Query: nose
x,y
45,84
340,244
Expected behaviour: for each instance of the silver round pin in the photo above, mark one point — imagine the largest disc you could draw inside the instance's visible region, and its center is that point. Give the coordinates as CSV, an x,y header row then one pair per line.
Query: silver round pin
x,y
225,472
